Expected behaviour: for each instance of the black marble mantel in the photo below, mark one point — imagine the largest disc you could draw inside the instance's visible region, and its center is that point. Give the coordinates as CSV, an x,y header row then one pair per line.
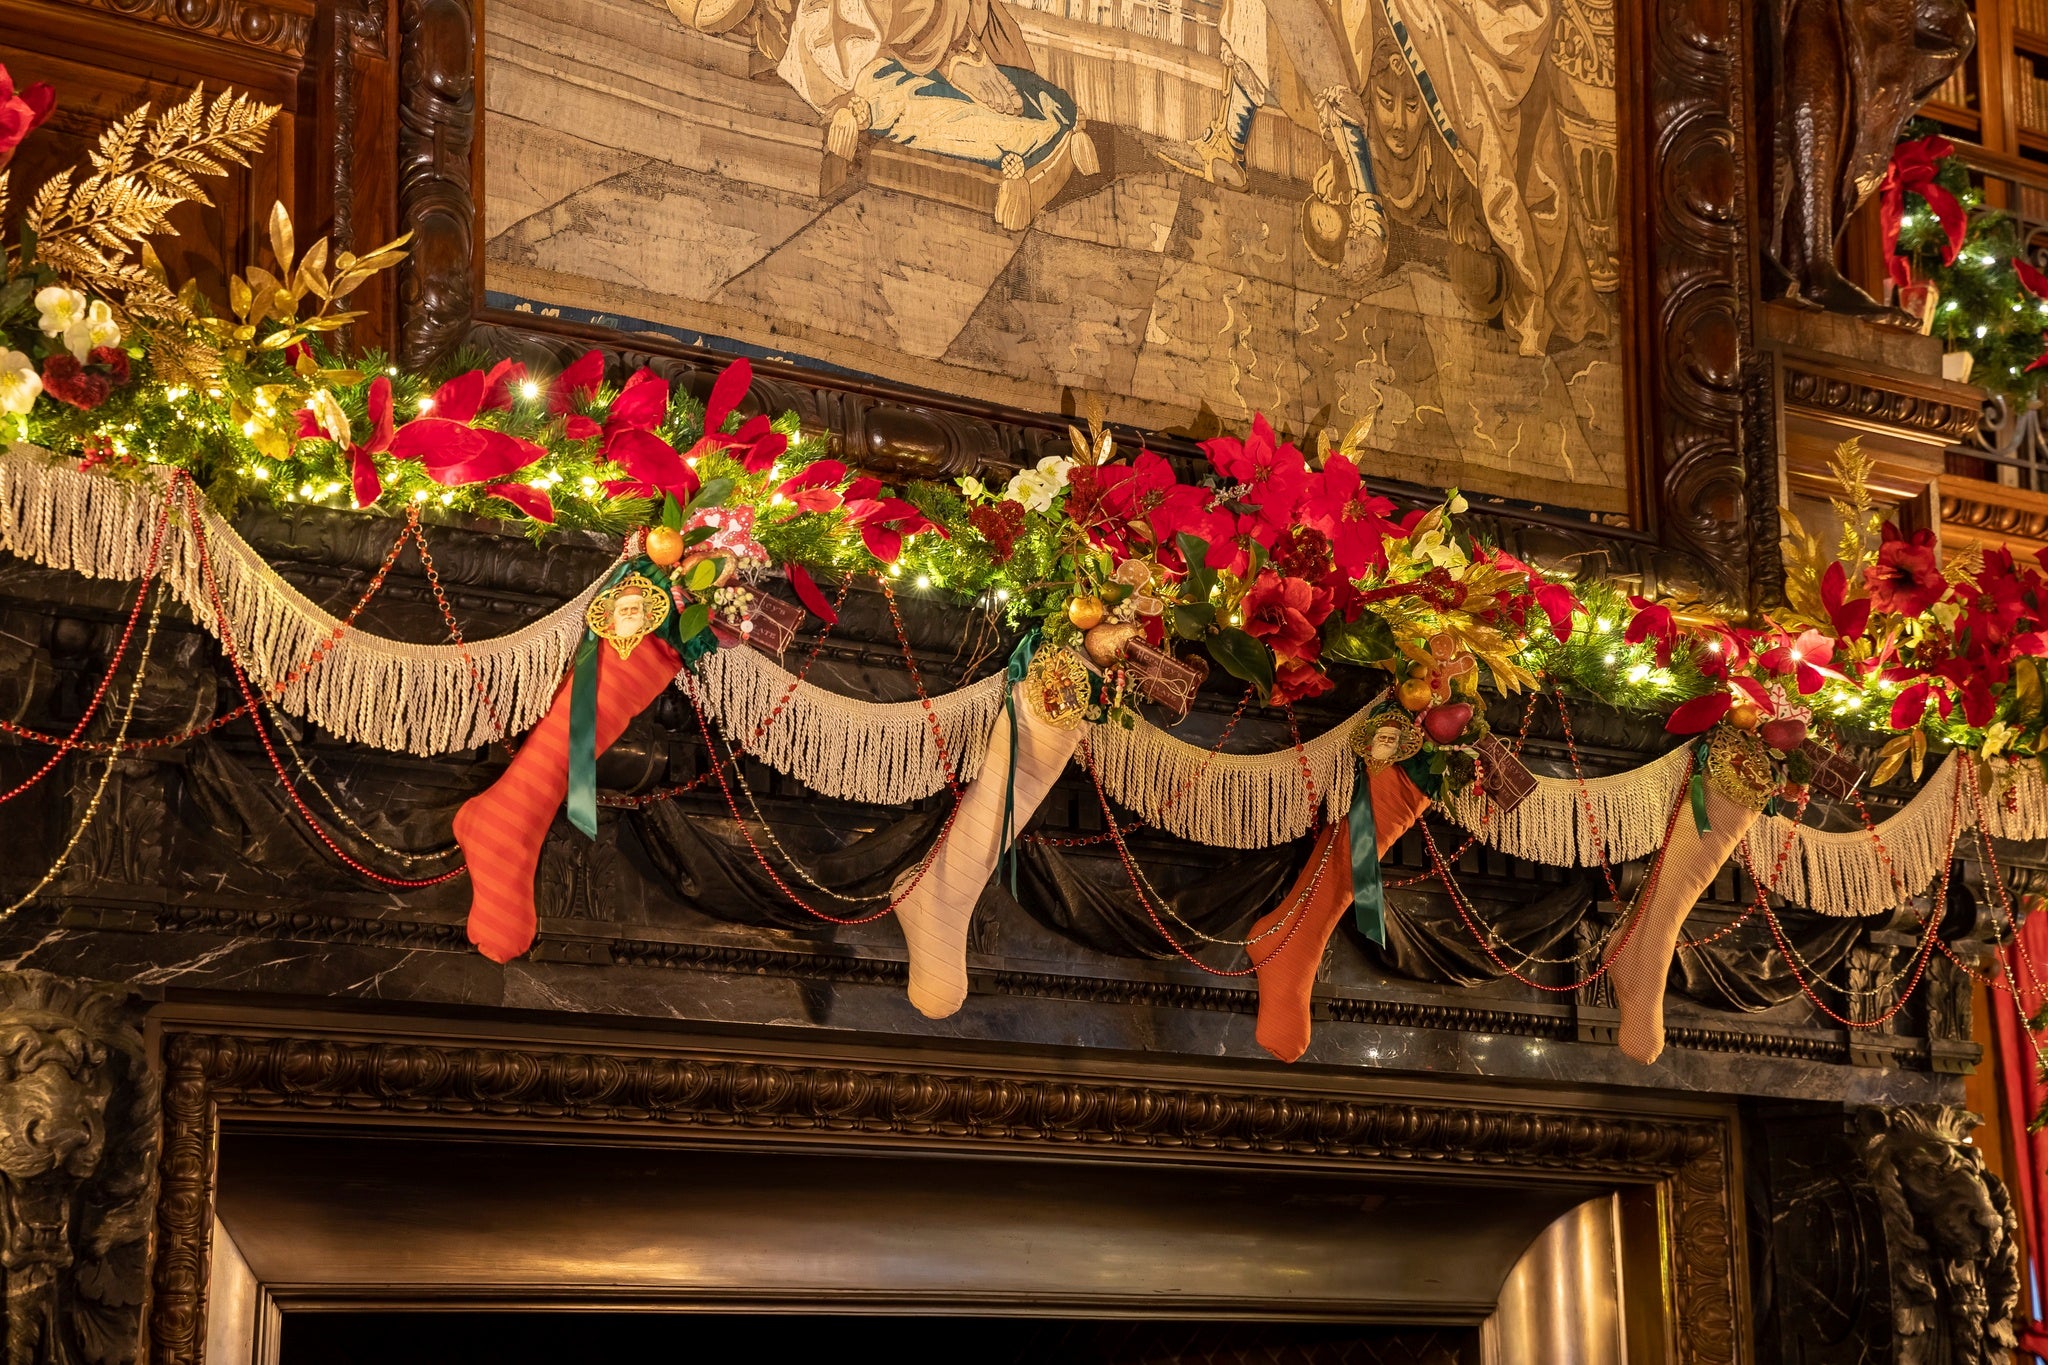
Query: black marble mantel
x,y
198,880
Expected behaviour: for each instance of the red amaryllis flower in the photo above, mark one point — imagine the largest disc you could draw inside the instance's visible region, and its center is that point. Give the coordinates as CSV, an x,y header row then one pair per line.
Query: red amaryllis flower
x,y
453,451
1274,475
572,388
1297,680
1285,612
815,487
21,112
67,381
1652,621
883,523
1724,651
1850,619
1338,505
1809,657
1907,577
1911,704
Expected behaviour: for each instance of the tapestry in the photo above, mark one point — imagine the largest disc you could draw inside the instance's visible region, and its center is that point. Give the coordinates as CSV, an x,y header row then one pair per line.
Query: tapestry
x,y
1390,218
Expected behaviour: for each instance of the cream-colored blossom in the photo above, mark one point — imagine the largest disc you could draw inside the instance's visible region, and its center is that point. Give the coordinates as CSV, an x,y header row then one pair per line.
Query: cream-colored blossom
x,y
96,328
59,308
20,385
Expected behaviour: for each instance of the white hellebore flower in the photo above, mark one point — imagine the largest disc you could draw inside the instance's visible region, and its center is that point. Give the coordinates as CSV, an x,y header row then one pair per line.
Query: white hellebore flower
x,y
972,487
96,328
1033,489
1056,469
60,307
331,418
19,383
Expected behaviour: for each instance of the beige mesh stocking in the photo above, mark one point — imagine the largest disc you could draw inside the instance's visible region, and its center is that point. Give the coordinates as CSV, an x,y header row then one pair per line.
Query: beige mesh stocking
x,y
1684,871
937,912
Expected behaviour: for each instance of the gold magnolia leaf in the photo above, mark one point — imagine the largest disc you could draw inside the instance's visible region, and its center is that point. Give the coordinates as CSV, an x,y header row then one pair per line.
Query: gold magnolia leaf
x,y
2027,686
281,242
1353,443
312,272
1919,752
1082,452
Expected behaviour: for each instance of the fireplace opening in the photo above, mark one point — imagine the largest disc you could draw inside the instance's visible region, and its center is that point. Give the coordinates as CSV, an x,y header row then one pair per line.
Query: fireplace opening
x,y
407,1338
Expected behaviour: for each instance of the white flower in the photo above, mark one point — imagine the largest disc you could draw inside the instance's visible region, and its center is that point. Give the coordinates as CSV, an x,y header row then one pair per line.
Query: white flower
x,y
974,489
96,328
1056,469
60,308
19,383
1032,488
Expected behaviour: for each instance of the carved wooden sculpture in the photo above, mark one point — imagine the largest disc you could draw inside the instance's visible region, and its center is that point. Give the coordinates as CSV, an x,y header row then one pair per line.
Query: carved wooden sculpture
x,y
1849,74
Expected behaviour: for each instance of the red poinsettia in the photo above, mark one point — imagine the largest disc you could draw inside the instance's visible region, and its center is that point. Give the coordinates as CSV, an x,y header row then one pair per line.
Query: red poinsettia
x,y
883,522
1337,504
756,445
1286,613
815,487
21,113
1273,475
1558,601
574,387
631,442
1907,577
362,464
1809,657
1850,618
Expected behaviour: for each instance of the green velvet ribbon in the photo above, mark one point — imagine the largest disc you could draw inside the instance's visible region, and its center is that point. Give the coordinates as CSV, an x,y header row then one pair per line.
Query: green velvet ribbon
x,y
1368,891
583,689
1020,664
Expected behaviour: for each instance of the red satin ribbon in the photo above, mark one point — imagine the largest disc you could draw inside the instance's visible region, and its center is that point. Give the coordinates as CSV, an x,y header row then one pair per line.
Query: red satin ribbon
x,y
1915,166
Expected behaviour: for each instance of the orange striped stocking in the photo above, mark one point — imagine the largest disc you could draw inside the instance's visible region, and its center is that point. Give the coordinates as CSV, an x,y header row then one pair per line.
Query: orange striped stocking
x,y
501,829
1288,958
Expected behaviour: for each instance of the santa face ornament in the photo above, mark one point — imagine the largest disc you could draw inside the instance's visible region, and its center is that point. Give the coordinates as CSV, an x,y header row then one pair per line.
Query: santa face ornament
x,y
627,612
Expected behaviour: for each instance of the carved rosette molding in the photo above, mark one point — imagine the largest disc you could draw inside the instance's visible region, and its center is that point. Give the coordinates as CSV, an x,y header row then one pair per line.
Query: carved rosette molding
x,y
279,26
1698,181
209,1075
1869,402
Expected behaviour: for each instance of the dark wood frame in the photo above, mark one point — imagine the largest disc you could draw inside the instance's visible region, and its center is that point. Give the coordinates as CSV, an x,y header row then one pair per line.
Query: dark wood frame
x,y
1678,1167
1687,190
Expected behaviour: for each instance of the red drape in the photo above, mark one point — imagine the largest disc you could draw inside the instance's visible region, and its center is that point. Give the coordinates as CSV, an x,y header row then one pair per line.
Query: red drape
x,y
2025,1092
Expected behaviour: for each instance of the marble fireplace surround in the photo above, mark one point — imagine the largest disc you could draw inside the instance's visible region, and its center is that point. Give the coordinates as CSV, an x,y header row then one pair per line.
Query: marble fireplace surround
x,y
357,1161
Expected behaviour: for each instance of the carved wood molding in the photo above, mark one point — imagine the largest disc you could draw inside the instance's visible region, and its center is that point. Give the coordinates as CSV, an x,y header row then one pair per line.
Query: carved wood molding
x,y
1697,186
208,1075
280,26
1977,511
1863,398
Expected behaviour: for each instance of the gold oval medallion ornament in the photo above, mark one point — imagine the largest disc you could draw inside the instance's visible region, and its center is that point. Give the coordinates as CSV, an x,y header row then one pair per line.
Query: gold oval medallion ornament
x,y
1056,688
1740,767
627,612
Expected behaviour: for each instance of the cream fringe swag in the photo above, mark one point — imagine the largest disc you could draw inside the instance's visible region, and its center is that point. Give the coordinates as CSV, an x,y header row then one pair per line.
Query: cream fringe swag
x,y
419,699
424,699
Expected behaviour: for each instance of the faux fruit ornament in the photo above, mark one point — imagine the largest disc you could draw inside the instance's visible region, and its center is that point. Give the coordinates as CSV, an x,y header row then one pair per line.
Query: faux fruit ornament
x,y
1784,734
1416,693
1744,715
1085,612
665,546
1105,643
1445,723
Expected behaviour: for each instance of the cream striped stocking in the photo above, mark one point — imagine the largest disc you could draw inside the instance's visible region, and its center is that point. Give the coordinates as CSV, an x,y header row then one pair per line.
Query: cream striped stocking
x,y
1683,872
936,913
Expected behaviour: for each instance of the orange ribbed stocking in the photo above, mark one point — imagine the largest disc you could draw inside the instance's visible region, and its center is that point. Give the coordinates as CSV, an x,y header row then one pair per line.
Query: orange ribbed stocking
x,y
1287,959
501,829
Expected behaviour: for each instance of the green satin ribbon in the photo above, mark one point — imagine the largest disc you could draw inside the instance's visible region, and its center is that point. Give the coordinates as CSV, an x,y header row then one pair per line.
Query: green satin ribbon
x,y
1699,790
1020,664
1368,896
1368,891
583,691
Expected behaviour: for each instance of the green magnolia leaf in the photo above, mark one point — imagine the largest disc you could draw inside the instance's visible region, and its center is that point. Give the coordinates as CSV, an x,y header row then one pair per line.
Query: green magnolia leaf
x,y
703,574
1201,579
671,512
697,535
1365,641
1193,621
693,620
1243,657
712,494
